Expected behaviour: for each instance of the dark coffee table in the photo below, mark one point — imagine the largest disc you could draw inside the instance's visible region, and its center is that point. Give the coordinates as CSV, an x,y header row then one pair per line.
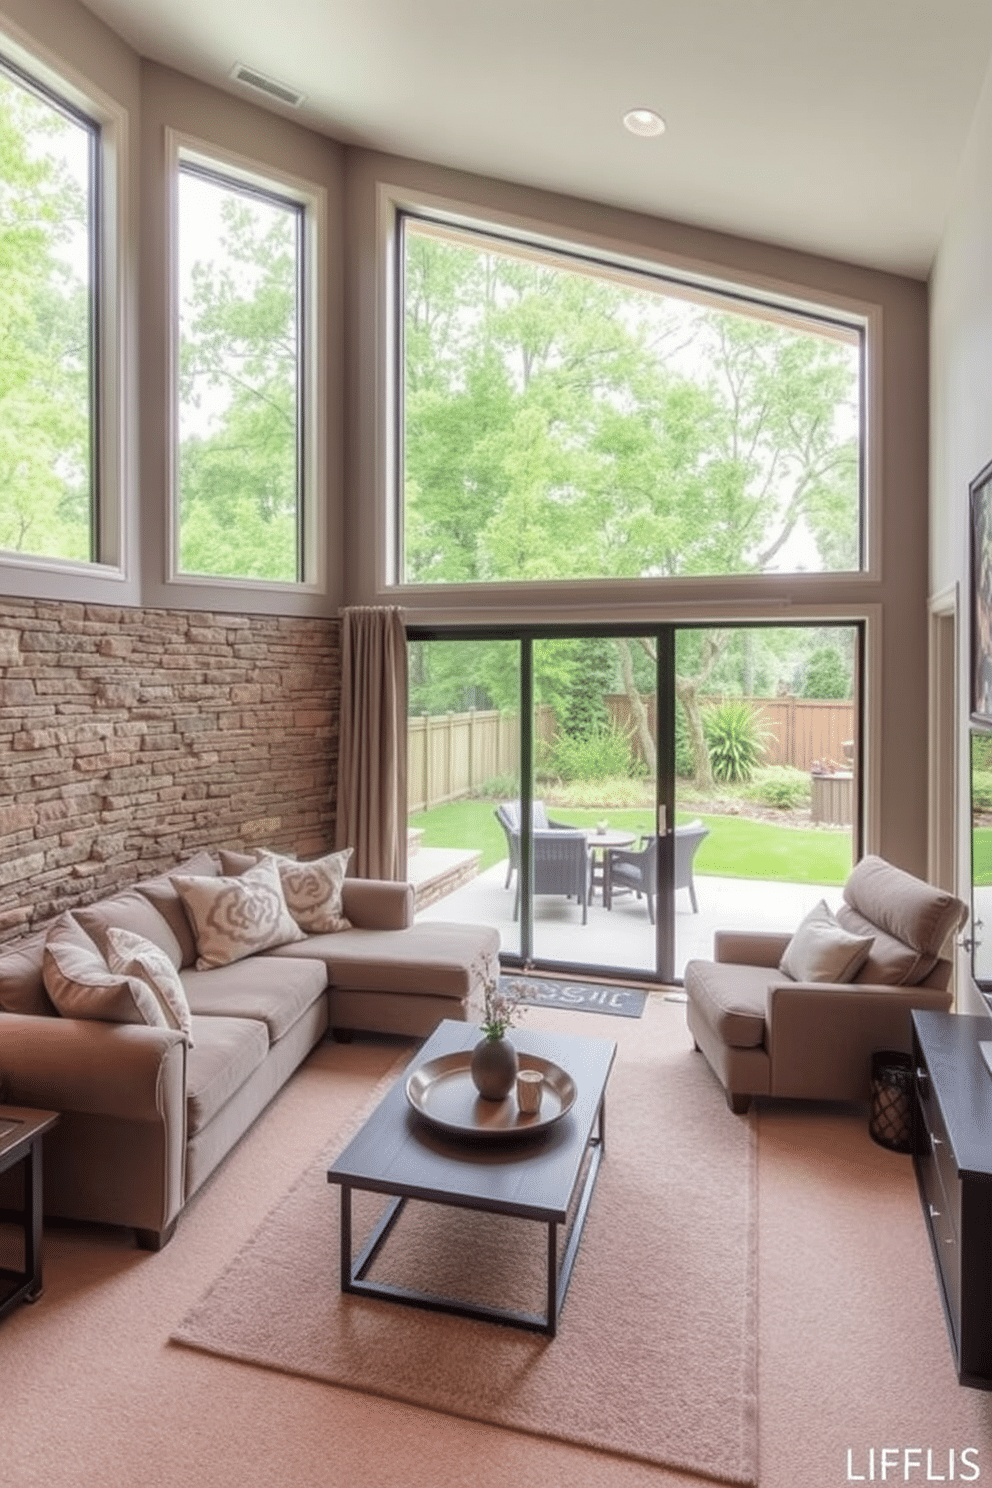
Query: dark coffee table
x,y
21,1133
535,1177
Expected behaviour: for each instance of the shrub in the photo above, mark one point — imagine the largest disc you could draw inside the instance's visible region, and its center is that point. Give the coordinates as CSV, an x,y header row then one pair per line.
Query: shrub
x,y
605,753
781,786
735,738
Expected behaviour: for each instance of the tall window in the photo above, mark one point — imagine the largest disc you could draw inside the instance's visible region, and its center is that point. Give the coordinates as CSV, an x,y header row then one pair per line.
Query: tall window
x,y
49,222
565,419
239,470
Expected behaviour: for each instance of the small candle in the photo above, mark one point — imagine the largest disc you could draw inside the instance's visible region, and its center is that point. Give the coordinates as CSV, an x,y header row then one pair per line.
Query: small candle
x,y
529,1091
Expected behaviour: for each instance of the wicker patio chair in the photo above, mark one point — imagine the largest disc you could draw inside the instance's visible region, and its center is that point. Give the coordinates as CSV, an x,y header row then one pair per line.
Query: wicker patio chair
x,y
629,869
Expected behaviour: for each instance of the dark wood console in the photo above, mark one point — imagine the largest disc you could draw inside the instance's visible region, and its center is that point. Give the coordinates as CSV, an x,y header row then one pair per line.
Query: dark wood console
x,y
952,1155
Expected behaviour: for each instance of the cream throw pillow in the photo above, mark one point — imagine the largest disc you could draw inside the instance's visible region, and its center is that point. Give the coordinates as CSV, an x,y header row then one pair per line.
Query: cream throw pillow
x,y
81,984
235,917
134,956
313,890
822,951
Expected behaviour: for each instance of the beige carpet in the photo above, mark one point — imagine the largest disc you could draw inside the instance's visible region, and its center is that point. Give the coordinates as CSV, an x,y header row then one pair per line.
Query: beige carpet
x,y
656,1352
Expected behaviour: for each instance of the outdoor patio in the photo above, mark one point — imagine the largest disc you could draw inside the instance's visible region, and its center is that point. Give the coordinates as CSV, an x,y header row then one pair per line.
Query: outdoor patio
x,y
622,936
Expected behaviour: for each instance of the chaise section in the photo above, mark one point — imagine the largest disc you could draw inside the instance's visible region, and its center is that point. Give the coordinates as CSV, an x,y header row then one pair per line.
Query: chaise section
x,y
403,982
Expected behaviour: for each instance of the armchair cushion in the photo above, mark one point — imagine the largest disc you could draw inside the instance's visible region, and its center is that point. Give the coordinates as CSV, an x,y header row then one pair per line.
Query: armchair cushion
x,y
822,951
908,912
731,999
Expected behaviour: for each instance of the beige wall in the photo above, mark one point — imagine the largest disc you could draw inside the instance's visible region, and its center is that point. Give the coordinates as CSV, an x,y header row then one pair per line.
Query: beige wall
x,y
892,598
961,415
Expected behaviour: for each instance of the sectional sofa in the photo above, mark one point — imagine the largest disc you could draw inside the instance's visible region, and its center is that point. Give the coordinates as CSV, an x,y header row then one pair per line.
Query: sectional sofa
x,y
159,1064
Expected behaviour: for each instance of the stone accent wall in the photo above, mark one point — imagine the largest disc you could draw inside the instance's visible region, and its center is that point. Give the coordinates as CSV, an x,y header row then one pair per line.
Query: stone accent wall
x,y
130,738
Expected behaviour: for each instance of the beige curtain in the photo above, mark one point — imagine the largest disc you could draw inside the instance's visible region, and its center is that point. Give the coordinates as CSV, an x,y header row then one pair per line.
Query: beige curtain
x,y
371,799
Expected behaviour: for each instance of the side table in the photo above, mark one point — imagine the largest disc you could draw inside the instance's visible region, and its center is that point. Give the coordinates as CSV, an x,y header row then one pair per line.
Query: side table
x,y
21,1134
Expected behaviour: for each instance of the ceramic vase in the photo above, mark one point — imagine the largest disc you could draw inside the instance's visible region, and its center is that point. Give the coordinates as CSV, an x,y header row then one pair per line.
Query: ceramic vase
x,y
494,1068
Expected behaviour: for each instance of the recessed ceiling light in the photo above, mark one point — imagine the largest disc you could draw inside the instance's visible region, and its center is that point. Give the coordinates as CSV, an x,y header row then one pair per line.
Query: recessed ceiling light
x,y
644,121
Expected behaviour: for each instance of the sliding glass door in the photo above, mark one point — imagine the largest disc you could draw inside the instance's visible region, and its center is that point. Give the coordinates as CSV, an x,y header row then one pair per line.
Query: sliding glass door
x,y
609,797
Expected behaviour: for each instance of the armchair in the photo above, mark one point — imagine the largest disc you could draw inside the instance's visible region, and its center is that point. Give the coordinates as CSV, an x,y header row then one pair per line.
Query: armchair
x,y
766,1032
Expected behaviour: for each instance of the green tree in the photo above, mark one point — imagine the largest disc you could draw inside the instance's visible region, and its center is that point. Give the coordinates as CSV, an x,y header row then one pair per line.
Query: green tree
x,y
560,425
239,396
828,674
45,466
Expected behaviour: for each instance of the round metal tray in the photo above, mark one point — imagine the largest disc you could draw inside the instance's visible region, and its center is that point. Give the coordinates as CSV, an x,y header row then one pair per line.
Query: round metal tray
x,y
443,1093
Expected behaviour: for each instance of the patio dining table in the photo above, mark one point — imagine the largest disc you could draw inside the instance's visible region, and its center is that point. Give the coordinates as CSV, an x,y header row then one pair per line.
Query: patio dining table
x,y
599,842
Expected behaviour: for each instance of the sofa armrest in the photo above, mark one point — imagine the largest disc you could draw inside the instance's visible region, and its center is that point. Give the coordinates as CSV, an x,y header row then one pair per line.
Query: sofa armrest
x,y
821,1036
99,1069
749,947
378,903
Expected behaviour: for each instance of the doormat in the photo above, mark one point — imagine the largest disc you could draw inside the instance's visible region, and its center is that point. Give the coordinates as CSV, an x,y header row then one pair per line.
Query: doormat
x,y
582,997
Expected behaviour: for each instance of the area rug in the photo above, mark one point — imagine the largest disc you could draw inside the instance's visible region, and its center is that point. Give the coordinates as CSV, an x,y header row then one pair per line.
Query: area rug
x,y
580,997
655,1356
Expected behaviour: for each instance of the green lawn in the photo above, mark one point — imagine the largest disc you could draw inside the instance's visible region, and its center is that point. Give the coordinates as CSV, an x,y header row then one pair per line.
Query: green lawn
x,y
981,853
737,847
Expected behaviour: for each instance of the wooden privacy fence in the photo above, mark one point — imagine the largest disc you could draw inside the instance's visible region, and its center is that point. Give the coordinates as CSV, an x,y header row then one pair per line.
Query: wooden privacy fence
x,y
452,755
800,730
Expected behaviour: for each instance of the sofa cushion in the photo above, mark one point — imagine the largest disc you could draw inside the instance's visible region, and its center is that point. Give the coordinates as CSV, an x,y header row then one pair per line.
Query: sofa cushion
x,y
732,999
821,950
272,990
162,892
131,955
224,1052
22,983
81,985
133,912
236,917
441,959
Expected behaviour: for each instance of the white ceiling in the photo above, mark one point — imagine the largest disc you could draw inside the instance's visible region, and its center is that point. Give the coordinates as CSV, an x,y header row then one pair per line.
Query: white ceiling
x,y
834,126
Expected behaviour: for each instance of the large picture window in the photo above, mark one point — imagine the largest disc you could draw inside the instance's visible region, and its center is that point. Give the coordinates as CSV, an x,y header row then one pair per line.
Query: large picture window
x,y
49,313
568,419
241,380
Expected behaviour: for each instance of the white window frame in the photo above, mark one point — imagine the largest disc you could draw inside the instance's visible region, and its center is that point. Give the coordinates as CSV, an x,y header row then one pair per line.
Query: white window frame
x,y
392,204
109,576
182,149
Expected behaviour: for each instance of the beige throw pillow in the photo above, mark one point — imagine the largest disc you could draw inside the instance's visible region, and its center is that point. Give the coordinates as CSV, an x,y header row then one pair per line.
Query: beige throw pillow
x,y
81,984
821,951
134,956
235,917
313,890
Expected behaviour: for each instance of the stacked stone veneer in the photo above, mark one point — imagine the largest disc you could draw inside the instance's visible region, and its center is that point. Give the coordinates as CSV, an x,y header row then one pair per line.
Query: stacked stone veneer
x,y
130,738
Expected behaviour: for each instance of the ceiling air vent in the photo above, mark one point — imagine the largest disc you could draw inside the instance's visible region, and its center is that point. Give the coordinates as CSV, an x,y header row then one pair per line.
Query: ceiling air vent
x,y
267,85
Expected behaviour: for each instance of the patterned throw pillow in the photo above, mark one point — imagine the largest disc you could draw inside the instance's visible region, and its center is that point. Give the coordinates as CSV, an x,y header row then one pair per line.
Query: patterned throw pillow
x,y
235,917
81,984
134,956
313,890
